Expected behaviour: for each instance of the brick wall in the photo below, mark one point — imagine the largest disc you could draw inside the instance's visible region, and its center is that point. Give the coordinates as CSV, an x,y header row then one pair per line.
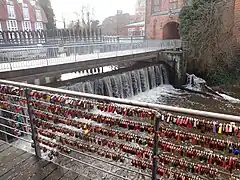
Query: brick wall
x,y
155,23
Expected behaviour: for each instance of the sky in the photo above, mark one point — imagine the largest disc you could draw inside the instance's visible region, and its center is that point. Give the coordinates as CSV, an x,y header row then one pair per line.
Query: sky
x,y
102,8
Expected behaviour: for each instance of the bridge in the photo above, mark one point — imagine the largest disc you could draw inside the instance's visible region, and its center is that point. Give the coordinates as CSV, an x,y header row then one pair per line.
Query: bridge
x,y
45,64
101,137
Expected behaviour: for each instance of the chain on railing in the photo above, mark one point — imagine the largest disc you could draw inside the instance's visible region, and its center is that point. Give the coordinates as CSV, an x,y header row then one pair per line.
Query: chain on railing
x,y
133,136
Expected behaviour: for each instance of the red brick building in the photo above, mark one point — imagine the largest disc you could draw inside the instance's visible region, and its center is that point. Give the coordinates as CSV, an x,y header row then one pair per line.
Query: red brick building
x,y
162,19
135,29
21,15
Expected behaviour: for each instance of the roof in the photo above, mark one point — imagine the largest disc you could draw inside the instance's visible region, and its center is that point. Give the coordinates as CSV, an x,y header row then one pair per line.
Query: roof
x,y
142,23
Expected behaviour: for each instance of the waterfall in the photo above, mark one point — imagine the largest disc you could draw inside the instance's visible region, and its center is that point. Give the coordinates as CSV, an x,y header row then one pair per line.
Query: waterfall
x,y
126,84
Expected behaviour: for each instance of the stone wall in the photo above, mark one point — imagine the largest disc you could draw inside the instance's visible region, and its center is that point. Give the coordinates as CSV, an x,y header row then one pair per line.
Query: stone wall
x,y
237,21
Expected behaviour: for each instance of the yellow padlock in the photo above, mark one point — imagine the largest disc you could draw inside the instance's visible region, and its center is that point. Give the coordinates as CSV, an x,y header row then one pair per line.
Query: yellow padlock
x,y
86,131
48,98
220,129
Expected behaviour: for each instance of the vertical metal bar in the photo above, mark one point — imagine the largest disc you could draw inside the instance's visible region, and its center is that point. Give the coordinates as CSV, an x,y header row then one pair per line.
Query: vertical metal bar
x,y
116,48
75,54
9,59
5,136
155,148
33,124
132,47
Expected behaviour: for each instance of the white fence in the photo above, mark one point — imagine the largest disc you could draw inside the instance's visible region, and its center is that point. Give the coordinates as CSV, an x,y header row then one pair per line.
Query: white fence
x,y
49,55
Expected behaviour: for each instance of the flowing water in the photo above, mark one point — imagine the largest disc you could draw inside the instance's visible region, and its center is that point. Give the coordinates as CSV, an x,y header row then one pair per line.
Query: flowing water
x,y
152,85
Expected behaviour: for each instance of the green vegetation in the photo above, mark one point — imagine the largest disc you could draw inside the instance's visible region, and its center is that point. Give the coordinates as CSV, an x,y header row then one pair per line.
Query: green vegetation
x,y
203,25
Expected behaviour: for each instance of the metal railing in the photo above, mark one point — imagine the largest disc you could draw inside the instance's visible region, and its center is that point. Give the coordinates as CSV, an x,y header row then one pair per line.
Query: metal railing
x,y
25,57
144,139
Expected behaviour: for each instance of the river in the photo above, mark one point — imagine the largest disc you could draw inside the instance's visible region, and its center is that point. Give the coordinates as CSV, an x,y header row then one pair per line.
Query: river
x,y
161,93
168,95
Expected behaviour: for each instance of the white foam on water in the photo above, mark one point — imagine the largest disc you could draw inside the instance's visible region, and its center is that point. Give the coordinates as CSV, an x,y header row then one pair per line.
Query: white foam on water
x,y
194,83
158,93
229,98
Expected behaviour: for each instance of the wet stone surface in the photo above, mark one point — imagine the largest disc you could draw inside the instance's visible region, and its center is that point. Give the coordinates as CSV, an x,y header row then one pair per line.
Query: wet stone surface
x,y
16,164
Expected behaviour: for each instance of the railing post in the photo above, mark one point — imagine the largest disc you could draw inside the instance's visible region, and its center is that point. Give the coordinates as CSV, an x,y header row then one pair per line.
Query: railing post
x,y
33,124
75,54
155,148
9,60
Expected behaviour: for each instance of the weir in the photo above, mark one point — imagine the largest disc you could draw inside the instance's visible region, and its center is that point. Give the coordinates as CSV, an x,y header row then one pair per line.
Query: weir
x,y
126,84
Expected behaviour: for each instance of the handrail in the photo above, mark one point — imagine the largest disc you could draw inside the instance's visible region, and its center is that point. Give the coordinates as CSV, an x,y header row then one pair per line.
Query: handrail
x,y
129,102
64,121
87,45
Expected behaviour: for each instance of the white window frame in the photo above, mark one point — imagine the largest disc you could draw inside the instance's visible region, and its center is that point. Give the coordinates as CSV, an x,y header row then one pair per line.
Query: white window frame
x,y
142,31
130,31
12,25
11,12
1,36
38,26
20,1
26,26
38,15
33,3
26,15
173,4
156,2
156,5
9,2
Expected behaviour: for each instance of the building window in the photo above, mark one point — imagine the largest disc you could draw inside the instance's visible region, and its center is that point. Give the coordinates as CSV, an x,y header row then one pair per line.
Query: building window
x,y
33,2
38,26
131,31
12,25
9,2
38,15
11,12
25,12
156,5
141,31
1,35
26,26
173,4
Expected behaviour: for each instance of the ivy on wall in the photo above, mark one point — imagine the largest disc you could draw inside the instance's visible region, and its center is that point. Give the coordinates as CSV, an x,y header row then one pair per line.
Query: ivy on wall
x,y
201,24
